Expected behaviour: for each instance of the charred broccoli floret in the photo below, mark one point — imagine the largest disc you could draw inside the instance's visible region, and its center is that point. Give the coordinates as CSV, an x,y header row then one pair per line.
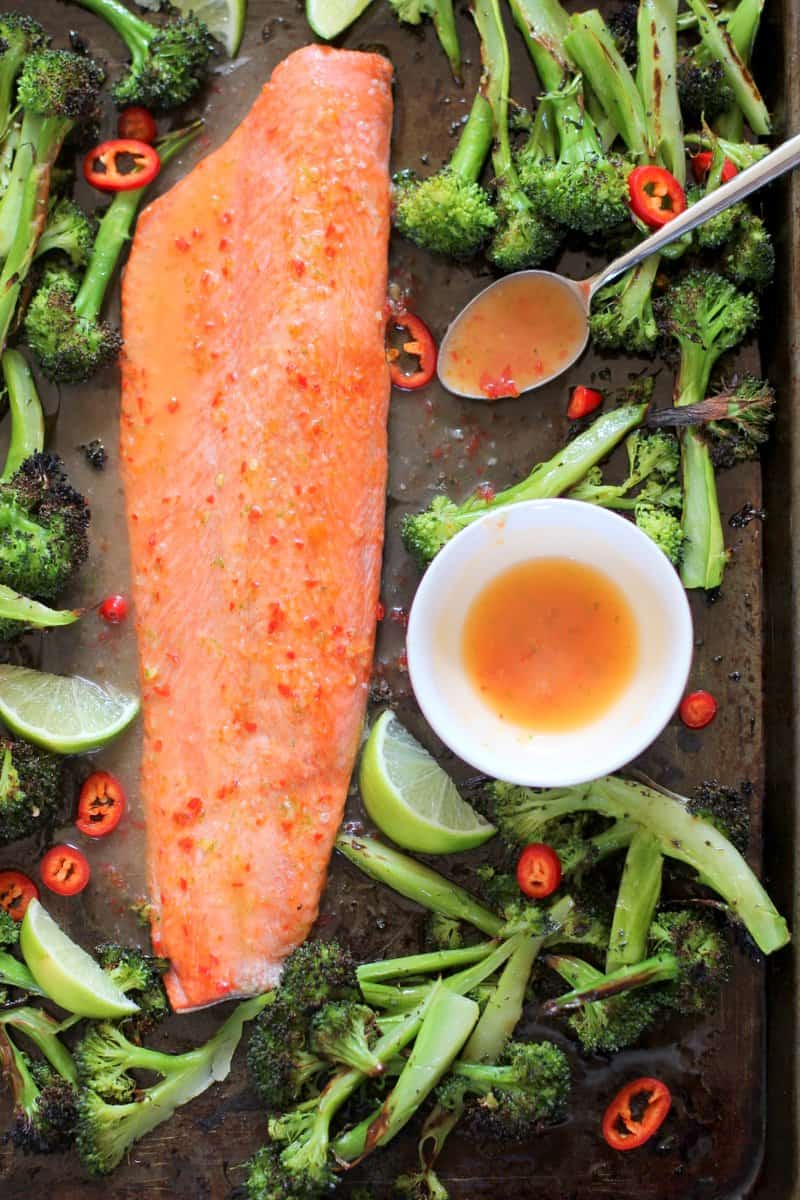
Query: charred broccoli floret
x,y
141,975
20,35
735,423
346,1032
168,62
43,1090
68,231
604,1026
702,88
622,316
31,783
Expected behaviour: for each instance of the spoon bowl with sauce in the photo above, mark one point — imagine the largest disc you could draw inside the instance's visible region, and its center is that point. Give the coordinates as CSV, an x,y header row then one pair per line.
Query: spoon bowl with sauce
x,y
549,643
528,327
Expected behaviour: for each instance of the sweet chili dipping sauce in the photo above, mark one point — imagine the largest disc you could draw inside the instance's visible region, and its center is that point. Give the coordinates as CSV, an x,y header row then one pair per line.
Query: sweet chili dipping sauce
x,y
550,644
513,337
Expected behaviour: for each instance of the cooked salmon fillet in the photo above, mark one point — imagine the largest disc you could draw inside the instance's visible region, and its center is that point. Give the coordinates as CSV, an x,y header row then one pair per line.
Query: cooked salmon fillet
x,y
253,450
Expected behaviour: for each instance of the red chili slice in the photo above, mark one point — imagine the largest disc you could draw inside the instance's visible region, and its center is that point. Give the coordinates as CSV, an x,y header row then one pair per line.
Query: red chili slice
x,y
698,709
64,870
100,805
636,1113
538,870
114,609
16,893
701,165
655,195
420,345
137,123
121,165
583,401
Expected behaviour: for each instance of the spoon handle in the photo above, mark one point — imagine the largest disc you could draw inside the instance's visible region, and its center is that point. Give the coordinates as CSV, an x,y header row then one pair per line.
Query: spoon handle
x,y
750,180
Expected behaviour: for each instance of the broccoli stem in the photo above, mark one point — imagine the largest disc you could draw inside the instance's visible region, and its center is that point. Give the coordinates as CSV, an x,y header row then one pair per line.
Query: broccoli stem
x,y
14,607
423,964
722,47
27,418
659,968
475,141
448,1022
577,138
444,22
544,25
575,971
416,882
592,47
42,1030
495,85
657,80
637,898
683,836
704,554
136,33
115,230
599,847
396,999
742,29
13,973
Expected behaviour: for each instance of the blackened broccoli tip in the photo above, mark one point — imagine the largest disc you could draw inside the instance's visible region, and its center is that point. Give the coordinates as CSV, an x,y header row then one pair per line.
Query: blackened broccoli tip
x,y
267,1179
44,1103
31,789
70,347
704,310
622,25
663,527
725,807
703,92
622,316
43,524
749,260
58,83
317,972
344,1032
169,62
608,1026
95,453
68,231
280,1064
529,1086
719,229
691,958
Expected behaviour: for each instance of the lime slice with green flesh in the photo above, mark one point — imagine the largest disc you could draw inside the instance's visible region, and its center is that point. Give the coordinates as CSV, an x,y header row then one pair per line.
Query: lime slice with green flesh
x,y
411,799
65,972
62,713
224,18
329,18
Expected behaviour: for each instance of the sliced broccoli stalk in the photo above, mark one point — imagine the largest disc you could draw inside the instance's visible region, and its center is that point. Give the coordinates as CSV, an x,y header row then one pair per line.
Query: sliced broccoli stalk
x,y
657,80
742,28
590,44
62,324
423,1184
105,1132
27,416
544,25
169,63
622,316
637,899
721,46
425,533
524,238
690,839
430,963
444,22
399,999
605,1026
653,471
44,1092
449,212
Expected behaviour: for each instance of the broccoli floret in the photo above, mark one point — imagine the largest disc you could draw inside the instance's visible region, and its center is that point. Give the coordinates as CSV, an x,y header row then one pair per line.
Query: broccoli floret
x,y
719,229
346,1033
702,88
654,461
725,807
443,17
520,814
604,1026
43,523
68,231
663,527
529,1085
20,36
141,975
622,25
425,533
317,972
9,929
105,1132
749,259
60,84
735,423
267,1179
443,933
584,189
306,1132
622,316
168,62
31,782
449,212
43,1090
421,1185
280,1064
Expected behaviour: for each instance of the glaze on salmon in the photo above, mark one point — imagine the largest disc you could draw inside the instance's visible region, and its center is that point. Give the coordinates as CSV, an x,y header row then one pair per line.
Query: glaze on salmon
x,y
253,449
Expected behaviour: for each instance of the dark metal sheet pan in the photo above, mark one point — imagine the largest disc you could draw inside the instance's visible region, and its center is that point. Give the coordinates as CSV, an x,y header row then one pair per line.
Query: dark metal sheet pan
x,y
724,1083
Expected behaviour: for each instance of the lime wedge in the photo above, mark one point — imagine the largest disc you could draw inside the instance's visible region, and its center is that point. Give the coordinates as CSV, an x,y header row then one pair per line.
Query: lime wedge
x,y
224,18
411,799
329,18
65,972
63,713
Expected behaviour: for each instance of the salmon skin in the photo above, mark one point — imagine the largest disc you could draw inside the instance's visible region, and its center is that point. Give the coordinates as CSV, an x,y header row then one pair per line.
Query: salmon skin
x,y
253,448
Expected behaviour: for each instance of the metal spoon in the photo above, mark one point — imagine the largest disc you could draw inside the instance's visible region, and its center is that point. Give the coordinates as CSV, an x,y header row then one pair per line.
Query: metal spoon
x,y
780,160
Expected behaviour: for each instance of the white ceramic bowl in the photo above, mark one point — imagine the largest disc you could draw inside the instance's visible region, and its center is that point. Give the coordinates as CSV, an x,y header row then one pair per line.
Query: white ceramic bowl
x,y
549,529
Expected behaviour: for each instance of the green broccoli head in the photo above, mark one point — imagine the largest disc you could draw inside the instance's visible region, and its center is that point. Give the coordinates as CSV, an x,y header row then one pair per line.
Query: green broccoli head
x,y
663,527
102,1057
43,523
141,975
750,258
443,933
704,309
622,316
590,196
70,348
344,1032
524,237
21,35
425,533
68,231
703,957
280,1062
444,213
305,1155
168,63
58,83
528,1087
9,930
268,1179
317,972
608,1026
31,788
717,230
